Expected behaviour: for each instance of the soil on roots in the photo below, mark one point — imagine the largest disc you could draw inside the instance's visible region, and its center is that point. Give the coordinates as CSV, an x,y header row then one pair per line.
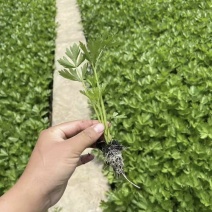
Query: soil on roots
x,y
113,157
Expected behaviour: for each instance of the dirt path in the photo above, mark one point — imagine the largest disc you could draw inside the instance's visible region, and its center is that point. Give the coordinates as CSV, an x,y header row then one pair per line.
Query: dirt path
x,y
87,186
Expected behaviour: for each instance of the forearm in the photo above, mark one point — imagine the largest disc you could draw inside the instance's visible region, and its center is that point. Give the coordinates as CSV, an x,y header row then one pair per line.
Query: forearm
x,y
25,196
54,159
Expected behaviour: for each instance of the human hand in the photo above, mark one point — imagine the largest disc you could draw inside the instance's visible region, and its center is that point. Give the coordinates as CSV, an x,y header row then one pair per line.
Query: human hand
x,y
53,161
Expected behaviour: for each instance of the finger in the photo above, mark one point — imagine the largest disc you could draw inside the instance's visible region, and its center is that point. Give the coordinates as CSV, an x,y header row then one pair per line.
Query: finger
x,y
101,139
69,129
84,139
85,159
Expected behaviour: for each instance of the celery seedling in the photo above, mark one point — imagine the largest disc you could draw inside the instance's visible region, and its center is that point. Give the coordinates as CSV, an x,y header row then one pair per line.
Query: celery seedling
x,y
81,63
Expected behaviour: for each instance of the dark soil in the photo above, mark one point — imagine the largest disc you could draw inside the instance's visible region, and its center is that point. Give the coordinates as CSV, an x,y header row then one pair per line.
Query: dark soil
x,y
113,157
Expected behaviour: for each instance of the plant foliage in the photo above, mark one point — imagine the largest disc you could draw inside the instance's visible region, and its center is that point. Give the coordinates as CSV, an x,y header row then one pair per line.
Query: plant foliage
x,y
160,78
27,31
81,64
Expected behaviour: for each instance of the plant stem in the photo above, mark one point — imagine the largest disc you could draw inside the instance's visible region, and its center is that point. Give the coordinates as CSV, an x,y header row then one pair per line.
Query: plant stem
x,y
93,105
102,107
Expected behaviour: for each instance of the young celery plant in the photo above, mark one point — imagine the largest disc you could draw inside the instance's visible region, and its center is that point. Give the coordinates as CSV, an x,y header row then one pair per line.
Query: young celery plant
x,y
81,64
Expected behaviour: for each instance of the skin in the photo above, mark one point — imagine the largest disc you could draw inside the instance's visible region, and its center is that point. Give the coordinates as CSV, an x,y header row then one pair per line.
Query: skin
x,y
54,159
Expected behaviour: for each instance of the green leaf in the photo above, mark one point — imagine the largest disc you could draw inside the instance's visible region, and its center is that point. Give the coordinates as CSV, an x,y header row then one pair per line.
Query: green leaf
x,y
115,115
84,70
69,75
93,94
95,48
73,53
65,63
80,59
3,153
85,51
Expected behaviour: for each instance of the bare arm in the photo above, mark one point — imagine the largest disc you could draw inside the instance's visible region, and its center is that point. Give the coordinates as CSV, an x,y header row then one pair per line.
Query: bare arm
x,y
53,161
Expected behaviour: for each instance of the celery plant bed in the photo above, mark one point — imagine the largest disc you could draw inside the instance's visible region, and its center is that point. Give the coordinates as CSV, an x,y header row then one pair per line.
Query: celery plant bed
x,y
81,64
27,46
162,74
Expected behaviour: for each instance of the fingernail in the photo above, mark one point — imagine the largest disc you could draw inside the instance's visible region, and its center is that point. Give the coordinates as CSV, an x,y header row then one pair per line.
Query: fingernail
x,y
99,128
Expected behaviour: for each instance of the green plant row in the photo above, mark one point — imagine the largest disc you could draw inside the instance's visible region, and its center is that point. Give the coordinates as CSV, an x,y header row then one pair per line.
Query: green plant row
x,y
27,31
160,77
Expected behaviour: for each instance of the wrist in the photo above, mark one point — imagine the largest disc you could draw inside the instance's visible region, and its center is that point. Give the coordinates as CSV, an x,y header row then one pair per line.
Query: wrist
x,y
26,195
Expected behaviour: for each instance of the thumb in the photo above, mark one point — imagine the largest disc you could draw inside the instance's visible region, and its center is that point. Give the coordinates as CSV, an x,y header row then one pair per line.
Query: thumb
x,y
85,139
